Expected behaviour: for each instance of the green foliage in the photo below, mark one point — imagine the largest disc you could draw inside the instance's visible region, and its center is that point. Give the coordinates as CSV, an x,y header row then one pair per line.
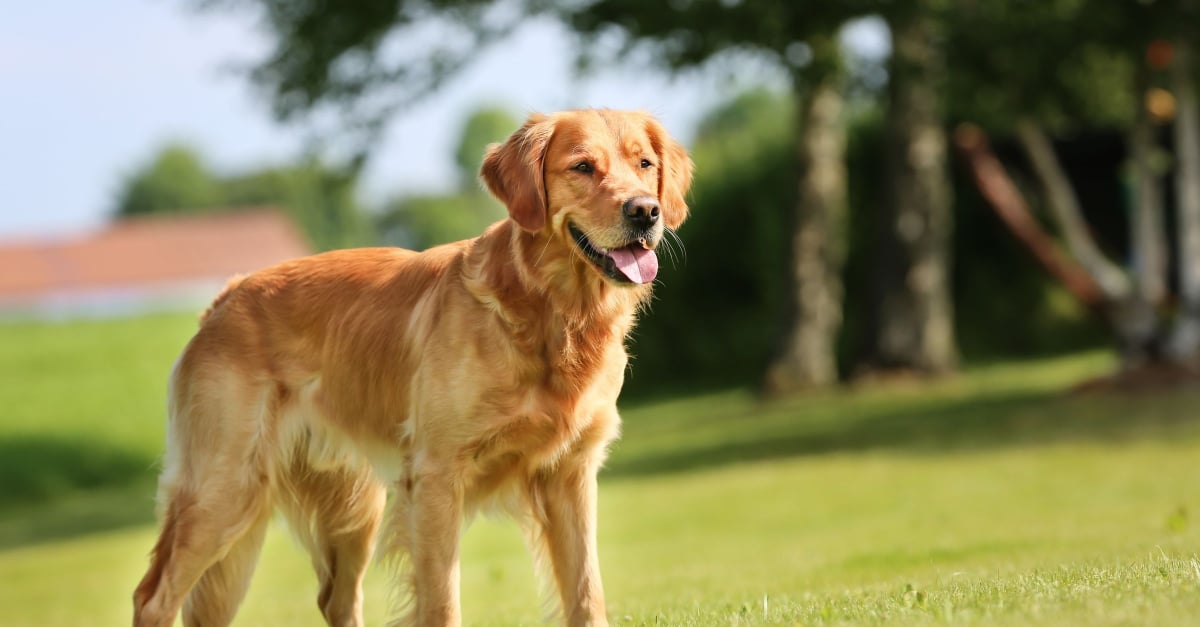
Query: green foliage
x,y
717,314
485,125
175,180
322,200
1073,67
1007,56
366,60
320,197
1069,63
418,222
719,303
687,34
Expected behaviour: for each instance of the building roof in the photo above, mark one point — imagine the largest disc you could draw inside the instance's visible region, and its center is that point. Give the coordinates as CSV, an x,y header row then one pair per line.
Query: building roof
x,y
147,253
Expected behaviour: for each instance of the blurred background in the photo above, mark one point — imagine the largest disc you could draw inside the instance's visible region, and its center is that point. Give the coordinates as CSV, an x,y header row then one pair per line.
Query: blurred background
x,y
932,346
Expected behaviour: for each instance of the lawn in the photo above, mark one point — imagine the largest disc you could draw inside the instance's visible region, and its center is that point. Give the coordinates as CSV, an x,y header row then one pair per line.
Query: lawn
x,y
994,498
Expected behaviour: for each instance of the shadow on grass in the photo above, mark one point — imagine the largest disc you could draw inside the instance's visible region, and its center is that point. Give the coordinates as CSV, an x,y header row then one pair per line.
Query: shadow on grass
x,y
53,488
773,431
56,488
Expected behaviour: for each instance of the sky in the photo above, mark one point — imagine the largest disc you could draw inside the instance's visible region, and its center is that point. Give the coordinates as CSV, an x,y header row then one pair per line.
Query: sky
x,y
90,90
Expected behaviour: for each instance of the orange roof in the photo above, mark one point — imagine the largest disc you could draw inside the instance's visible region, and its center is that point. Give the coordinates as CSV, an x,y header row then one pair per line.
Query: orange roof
x,y
152,250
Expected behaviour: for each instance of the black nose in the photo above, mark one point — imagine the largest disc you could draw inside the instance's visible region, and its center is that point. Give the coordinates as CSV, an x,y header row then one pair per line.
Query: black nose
x,y
641,211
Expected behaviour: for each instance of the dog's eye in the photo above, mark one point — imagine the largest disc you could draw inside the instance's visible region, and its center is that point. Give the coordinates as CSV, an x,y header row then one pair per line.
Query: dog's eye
x,y
584,166
646,164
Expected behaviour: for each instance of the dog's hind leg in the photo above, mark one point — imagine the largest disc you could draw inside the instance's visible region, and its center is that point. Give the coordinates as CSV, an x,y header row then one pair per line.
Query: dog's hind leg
x,y
336,514
216,597
202,529
349,542
216,497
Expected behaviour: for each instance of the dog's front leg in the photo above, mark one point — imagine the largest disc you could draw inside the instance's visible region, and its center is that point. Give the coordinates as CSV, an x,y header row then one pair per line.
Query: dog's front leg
x,y
437,502
567,497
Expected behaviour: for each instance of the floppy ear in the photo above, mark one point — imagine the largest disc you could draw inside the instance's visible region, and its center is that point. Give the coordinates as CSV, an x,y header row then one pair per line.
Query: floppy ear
x,y
674,174
513,172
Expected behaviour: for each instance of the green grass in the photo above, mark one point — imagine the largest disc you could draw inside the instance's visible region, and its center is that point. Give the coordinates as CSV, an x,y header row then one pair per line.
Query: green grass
x,y
81,422
992,499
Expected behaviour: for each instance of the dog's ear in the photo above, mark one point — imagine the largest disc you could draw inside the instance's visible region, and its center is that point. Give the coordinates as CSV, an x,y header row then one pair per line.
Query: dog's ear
x,y
513,172
674,173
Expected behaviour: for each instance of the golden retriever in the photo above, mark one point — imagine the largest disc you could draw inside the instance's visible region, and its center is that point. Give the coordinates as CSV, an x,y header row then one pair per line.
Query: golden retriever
x,y
483,371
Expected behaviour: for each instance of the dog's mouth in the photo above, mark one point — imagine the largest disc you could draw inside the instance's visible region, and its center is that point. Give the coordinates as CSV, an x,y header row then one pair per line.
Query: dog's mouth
x,y
632,263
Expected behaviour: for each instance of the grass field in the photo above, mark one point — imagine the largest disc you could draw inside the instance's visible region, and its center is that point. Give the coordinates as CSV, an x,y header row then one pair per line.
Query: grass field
x,y
992,499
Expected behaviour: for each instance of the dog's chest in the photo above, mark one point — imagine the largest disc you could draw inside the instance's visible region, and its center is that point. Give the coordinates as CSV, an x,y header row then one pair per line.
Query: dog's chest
x,y
537,430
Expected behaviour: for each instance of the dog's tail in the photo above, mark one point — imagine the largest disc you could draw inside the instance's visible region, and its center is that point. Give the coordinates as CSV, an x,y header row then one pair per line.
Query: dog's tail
x,y
223,296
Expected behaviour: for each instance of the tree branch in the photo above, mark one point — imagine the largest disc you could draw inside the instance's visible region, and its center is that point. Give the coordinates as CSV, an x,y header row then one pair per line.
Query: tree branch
x,y
1005,199
1064,207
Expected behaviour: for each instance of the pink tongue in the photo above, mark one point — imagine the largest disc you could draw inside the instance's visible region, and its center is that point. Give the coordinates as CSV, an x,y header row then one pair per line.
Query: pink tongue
x,y
636,263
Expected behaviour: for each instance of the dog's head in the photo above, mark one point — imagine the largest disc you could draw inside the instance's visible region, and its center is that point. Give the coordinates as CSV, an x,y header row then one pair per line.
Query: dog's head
x,y
606,182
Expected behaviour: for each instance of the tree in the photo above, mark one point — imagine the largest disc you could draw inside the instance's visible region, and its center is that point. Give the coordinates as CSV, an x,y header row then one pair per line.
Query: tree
x,y
332,54
321,198
913,325
1184,343
1136,40
914,317
796,36
807,356
740,225
336,53
486,125
176,179
366,60
424,220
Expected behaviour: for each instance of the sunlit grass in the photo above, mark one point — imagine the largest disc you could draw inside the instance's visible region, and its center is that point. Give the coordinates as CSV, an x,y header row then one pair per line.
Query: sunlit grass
x,y
1065,533
990,498
82,409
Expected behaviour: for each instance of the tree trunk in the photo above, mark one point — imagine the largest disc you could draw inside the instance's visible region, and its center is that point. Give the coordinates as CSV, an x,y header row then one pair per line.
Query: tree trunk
x,y
807,355
1138,322
1184,344
913,315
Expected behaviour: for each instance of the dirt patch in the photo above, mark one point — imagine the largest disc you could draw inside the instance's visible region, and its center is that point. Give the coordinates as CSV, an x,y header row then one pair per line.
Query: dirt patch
x,y
1147,378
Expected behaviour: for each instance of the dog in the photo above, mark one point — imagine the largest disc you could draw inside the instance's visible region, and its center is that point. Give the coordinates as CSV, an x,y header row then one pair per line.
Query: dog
x,y
479,372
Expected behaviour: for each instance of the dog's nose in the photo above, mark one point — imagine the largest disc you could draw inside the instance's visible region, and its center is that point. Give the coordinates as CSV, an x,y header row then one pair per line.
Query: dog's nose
x,y
641,211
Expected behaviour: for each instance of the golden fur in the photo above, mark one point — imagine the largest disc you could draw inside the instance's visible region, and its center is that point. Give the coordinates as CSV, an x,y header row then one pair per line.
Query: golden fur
x,y
483,370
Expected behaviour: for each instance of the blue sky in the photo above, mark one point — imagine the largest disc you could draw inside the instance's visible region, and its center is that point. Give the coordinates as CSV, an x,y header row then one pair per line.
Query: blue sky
x,y
89,90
